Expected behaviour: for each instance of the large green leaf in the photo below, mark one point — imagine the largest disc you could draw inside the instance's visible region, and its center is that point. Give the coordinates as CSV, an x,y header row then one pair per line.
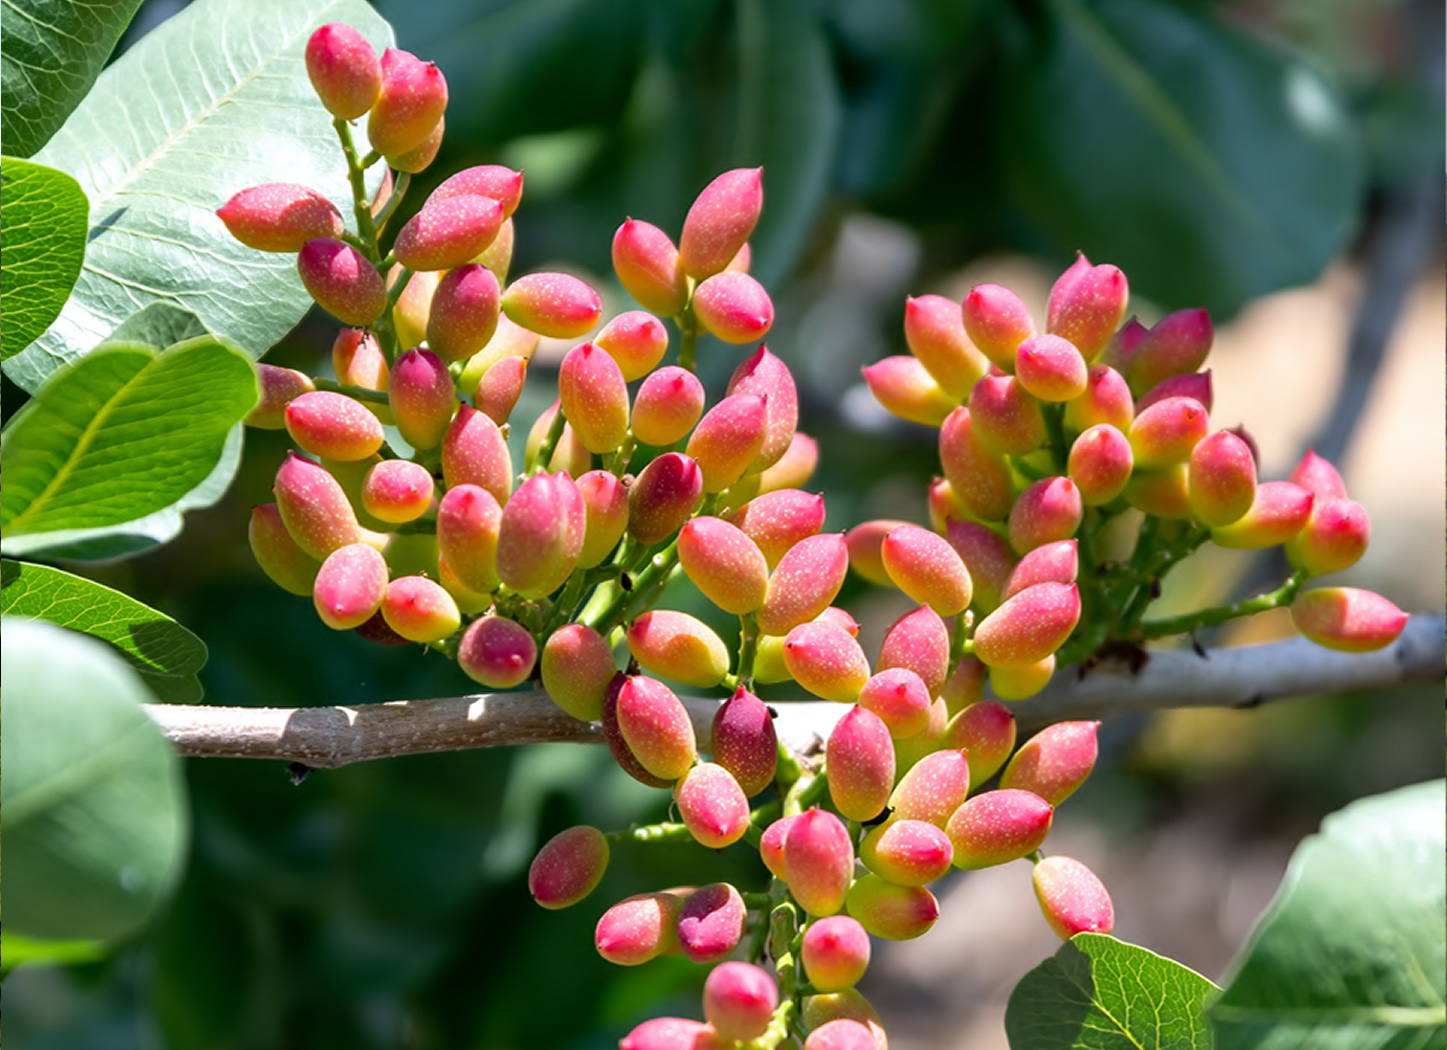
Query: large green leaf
x,y
1209,165
790,116
162,652
50,54
1098,993
124,433
140,534
95,814
214,100
43,214
1351,954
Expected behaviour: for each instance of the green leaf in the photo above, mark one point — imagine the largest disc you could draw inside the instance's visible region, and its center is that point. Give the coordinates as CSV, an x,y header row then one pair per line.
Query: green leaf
x,y
162,652
43,212
790,116
140,534
1210,165
50,54
95,814
159,324
1350,955
124,433
1098,993
214,100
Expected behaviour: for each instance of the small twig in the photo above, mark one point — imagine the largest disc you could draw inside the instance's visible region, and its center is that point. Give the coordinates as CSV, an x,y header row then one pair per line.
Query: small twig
x,y
328,737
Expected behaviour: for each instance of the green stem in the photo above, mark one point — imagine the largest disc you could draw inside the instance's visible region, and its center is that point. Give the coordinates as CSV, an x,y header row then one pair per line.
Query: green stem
x,y
538,463
1283,595
617,462
748,648
370,159
399,190
1055,428
361,204
688,338
961,643
359,393
664,832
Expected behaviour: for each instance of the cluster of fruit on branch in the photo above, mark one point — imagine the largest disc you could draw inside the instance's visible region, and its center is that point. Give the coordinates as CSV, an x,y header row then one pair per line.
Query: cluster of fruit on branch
x,y
1059,449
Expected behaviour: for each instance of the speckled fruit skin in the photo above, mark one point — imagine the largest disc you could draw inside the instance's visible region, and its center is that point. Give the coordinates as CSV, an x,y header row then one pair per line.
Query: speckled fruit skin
x,y
468,519
896,913
777,520
568,867
804,584
423,398
765,375
420,610
412,99
577,666
664,496
1072,898
349,586
933,788
744,741
344,70
819,860
711,923
647,265
720,220
279,217
1279,510
713,806
919,642
463,313
553,304
1054,762
835,953
907,852
923,565
669,404
540,537
594,397
290,568
860,759
986,732
900,698
935,333
1347,619
997,827
1028,627
826,660
679,647
638,928
497,652
656,727
997,322
314,507
734,307
739,1000
728,439
342,281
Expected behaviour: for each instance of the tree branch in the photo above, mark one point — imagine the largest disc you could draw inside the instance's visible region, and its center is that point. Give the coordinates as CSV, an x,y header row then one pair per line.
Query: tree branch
x,y
327,737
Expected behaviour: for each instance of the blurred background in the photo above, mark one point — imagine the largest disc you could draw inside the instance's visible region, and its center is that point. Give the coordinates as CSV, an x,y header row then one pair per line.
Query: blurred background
x,y
1278,161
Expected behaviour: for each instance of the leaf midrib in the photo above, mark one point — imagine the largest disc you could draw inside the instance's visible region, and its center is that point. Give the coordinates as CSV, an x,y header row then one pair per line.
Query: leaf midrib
x,y
70,782
87,438
145,164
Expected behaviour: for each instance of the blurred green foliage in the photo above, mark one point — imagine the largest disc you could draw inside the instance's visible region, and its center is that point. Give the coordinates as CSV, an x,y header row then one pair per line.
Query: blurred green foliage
x,y
384,905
